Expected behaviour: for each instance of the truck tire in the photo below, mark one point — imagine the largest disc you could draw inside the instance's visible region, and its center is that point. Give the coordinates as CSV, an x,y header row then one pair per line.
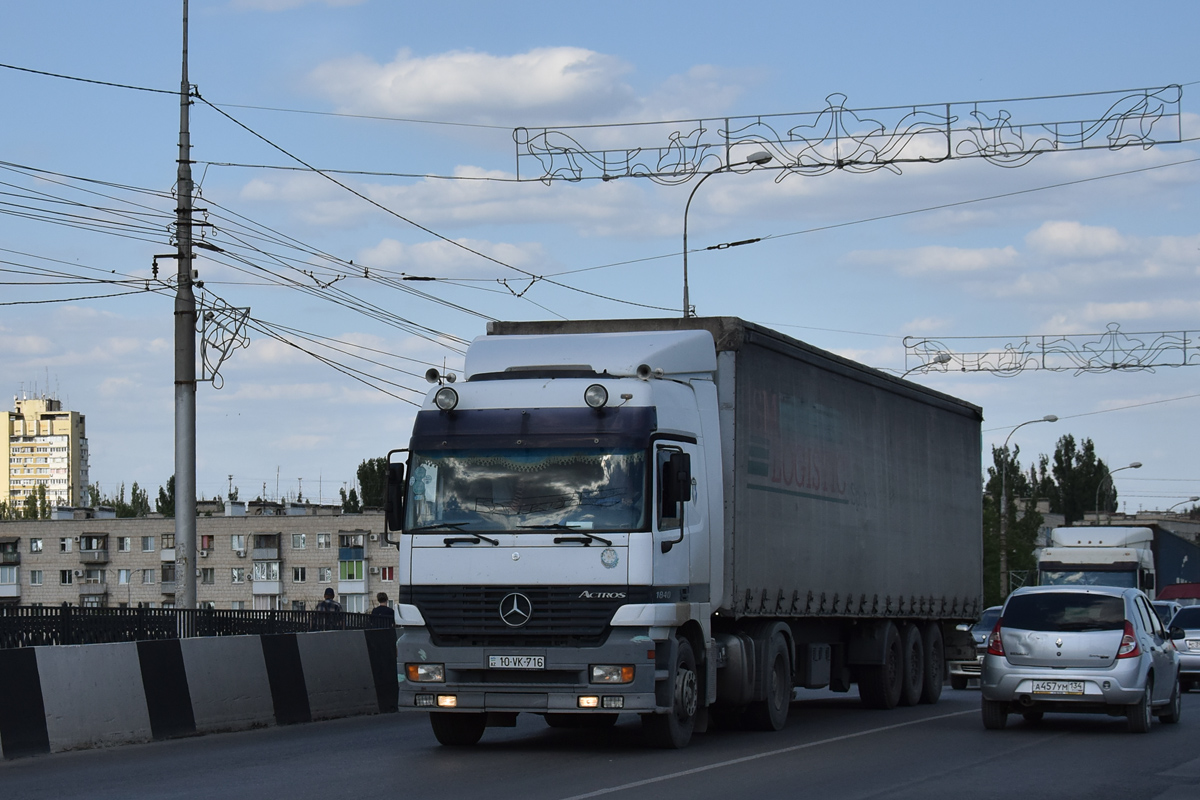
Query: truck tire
x,y
456,729
914,665
880,685
771,713
935,664
673,730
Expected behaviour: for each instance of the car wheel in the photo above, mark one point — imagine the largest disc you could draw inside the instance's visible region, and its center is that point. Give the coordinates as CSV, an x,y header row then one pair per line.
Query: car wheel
x,y
995,715
958,682
1174,708
1138,716
1033,716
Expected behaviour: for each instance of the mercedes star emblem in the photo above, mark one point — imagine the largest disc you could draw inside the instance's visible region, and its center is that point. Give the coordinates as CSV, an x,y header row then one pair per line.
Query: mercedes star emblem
x,y
515,609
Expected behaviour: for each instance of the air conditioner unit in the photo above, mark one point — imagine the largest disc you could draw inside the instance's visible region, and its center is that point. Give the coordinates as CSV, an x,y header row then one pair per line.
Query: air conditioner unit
x,y
374,537
241,553
374,570
204,554
78,573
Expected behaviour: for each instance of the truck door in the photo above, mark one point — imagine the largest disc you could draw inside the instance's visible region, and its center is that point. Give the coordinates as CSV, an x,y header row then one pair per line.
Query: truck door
x,y
673,545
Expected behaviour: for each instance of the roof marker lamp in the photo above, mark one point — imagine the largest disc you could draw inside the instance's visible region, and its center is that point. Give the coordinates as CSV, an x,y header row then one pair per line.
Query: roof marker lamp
x,y
596,396
446,399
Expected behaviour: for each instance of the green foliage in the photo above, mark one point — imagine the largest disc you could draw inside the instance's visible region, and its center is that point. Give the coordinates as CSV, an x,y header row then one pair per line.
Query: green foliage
x,y
372,479
1022,520
350,504
1078,477
165,504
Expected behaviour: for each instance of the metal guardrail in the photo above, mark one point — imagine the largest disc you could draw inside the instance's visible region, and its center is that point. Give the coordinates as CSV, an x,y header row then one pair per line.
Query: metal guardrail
x,y
31,626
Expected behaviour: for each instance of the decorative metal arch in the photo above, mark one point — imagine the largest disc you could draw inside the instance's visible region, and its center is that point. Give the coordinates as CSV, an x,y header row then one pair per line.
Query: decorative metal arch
x,y
222,330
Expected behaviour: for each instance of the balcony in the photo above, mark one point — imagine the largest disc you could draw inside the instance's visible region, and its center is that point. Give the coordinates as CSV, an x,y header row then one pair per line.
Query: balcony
x,y
352,587
93,556
350,554
267,587
9,590
10,559
168,587
265,554
92,590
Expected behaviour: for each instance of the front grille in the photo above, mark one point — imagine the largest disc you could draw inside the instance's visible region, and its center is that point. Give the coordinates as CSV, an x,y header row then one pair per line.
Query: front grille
x,y
560,617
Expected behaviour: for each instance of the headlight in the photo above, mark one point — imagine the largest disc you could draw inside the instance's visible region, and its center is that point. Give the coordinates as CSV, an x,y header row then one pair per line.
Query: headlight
x,y
596,396
425,673
612,673
446,399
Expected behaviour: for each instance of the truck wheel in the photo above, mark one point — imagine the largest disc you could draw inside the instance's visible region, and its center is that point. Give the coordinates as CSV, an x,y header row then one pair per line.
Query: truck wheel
x,y
914,666
880,685
935,664
673,730
995,715
457,729
771,714
958,682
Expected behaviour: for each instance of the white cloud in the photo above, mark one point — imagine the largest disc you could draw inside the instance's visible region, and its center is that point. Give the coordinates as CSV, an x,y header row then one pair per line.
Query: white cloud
x,y
444,260
1072,240
937,259
287,5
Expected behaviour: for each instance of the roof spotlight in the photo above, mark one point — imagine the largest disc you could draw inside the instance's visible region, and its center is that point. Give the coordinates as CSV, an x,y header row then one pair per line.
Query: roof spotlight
x,y
446,399
596,396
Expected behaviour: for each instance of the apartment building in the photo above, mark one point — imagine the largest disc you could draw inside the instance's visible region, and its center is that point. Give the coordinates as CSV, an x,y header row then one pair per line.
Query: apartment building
x,y
43,444
243,562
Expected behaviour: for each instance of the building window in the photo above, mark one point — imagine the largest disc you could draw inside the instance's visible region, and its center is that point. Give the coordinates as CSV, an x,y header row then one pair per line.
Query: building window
x,y
35,577
35,545
350,570
64,545
208,575
324,574
123,576
266,570
168,573
298,541
387,574
147,544
239,574
237,541
124,544
148,576
350,540
8,576
238,605
299,574
64,577
324,541
206,542
355,603
297,605
168,541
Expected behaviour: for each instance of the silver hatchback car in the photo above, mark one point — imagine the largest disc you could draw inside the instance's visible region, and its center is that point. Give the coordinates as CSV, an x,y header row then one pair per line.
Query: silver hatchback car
x,y
1080,649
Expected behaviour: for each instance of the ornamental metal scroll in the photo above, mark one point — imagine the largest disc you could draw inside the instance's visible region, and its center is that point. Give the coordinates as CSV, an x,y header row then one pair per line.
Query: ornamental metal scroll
x,y
1008,133
222,330
1110,351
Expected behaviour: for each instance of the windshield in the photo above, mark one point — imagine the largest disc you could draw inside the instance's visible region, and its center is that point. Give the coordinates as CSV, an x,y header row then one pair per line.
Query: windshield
x,y
987,621
527,489
1126,580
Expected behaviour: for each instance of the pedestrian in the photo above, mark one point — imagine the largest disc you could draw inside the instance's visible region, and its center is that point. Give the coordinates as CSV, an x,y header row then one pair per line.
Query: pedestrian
x,y
329,612
381,615
329,604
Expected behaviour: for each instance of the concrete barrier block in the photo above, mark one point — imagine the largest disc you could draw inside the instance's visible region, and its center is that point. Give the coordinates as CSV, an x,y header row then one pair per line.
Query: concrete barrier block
x,y
93,695
337,672
228,680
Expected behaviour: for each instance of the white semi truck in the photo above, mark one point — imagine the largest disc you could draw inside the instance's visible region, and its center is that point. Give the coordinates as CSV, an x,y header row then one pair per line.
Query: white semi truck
x,y
683,519
1146,557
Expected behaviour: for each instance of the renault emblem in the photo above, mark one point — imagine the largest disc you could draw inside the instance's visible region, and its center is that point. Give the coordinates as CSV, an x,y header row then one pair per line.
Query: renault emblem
x,y
515,609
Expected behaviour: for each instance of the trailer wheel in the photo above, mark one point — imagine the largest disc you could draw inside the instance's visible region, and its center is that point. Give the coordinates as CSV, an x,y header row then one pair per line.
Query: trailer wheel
x,y
914,665
457,729
673,730
935,664
771,714
880,685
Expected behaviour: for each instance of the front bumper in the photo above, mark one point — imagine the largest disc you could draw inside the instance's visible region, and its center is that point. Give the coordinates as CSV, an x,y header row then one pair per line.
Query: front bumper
x,y
1121,685
1189,662
966,669
556,687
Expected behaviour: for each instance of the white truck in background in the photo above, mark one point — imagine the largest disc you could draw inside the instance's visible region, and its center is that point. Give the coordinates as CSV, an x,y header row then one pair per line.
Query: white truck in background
x,y
1146,557
680,518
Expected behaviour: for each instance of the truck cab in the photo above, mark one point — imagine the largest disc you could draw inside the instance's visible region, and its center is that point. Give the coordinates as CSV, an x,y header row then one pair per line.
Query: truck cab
x,y
1099,556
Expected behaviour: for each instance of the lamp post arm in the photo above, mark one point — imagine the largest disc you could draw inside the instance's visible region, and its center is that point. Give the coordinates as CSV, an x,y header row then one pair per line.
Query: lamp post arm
x,y
687,308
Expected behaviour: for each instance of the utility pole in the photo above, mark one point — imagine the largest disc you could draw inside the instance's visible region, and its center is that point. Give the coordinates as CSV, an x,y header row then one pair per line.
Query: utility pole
x,y
185,356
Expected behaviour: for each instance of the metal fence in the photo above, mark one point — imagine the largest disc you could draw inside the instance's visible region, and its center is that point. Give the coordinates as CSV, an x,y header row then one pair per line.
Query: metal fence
x,y
30,626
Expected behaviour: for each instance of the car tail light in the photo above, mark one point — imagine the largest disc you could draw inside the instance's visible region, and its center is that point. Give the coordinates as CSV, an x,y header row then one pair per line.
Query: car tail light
x,y
1129,643
995,646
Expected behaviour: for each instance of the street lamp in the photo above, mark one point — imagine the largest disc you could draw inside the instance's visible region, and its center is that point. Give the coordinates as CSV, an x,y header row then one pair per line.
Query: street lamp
x,y
1108,478
940,358
757,158
1004,503
1181,502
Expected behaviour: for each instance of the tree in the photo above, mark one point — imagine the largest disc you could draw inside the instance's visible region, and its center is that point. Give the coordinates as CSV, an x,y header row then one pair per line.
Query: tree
x,y
350,504
94,498
233,494
1022,525
139,502
1077,476
165,504
372,479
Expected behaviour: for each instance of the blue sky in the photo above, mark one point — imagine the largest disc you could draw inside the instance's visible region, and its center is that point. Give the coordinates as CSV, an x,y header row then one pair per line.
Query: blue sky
x,y
1040,261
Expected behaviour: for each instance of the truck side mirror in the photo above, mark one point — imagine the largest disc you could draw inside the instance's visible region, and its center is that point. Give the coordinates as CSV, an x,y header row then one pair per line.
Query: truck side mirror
x,y
1147,580
676,491
393,499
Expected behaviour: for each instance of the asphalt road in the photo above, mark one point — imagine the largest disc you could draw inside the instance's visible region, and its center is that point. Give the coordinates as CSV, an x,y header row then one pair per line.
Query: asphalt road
x,y
832,748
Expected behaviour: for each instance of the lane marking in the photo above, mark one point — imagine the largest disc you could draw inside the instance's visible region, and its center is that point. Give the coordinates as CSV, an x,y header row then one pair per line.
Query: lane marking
x,y
768,754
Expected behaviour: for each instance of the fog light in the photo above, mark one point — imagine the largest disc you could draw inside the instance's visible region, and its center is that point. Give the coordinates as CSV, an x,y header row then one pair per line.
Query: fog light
x,y
612,701
612,673
447,701
425,673
589,701
446,399
596,396
425,701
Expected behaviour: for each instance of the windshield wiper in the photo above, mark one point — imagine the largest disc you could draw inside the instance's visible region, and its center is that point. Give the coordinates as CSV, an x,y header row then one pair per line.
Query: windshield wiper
x,y
474,538
438,526
584,537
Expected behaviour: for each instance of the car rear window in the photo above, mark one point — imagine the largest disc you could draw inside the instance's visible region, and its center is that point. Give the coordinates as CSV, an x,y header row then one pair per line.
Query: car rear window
x,y
1068,611
1187,617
